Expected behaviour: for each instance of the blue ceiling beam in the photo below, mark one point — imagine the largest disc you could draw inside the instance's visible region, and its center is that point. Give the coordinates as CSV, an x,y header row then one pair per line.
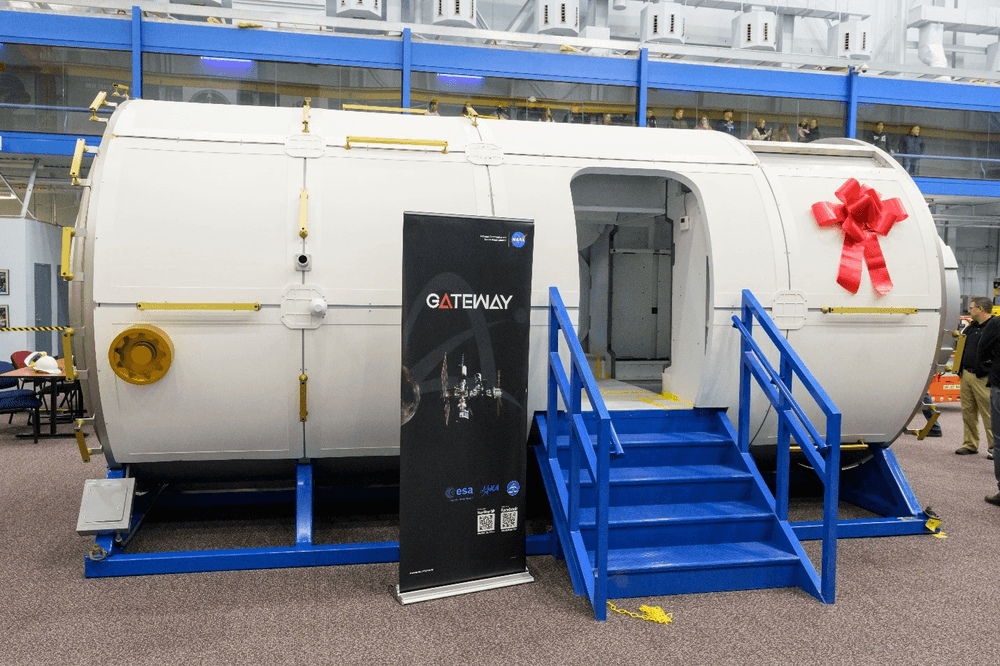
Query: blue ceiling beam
x,y
742,81
931,94
956,187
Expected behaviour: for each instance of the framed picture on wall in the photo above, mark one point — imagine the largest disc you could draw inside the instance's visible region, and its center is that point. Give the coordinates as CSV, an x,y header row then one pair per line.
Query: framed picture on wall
x,y
4,282
4,316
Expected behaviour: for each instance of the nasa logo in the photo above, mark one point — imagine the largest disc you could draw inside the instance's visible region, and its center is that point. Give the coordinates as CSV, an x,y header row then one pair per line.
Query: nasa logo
x,y
513,488
517,239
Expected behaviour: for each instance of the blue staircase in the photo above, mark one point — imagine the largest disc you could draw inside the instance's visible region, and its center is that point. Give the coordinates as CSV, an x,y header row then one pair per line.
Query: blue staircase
x,y
658,502
687,511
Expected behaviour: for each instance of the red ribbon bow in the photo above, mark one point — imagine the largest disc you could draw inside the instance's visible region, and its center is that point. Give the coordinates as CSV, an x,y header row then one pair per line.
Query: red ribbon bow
x,y
864,217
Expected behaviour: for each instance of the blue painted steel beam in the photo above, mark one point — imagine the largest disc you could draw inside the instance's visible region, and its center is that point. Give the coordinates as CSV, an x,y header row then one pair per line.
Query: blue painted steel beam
x,y
27,143
958,187
140,564
904,92
136,34
743,81
228,42
407,67
303,505
643,87
863,527
59,30
481,61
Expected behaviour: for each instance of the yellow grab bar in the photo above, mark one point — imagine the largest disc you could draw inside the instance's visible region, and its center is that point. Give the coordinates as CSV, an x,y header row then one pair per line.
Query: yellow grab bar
x,y
303,213
402,142
303,412
67,342
389,109
85,450
146,305
67,235
834,310
74,167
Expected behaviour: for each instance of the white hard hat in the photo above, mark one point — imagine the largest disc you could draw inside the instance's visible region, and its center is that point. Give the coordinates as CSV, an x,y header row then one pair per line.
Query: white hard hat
x,y
30,359
47,364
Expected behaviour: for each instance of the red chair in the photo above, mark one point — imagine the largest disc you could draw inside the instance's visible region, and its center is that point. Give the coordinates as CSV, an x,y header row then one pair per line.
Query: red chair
x,y
17,358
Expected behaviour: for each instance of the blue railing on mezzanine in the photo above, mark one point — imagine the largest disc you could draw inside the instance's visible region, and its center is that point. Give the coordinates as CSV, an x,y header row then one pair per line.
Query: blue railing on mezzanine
x,y
597,461
822,453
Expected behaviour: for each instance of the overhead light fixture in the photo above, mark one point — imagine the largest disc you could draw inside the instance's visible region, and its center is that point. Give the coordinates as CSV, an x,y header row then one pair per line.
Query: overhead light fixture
x,y
463,79
230,64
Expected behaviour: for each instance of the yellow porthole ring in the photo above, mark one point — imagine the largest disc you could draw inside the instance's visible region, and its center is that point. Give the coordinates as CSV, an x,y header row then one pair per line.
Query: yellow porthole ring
x,y
141,354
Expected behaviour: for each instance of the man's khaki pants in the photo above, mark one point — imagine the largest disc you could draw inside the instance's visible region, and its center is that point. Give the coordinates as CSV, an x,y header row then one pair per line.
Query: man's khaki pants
x,y
975,402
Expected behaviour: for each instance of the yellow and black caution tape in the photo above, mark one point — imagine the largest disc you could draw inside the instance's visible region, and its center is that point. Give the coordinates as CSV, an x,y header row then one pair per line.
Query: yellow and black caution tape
x,y
646,613
30,329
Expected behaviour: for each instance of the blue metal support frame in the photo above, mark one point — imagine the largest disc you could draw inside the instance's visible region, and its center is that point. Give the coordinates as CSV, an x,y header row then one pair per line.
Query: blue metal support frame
x,y
114,560
136,52
852,104
822,452
407,59
643,87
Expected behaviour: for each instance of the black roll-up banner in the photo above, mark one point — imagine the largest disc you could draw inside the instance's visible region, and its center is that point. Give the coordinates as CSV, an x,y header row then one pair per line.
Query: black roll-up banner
x,y
466,319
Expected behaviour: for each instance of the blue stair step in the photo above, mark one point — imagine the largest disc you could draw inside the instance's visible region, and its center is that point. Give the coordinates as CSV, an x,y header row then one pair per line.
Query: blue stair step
x,y
697,556
680,524
672,474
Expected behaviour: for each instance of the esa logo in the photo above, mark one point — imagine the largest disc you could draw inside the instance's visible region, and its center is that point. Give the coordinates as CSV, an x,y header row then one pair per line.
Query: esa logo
x,y
491,488
517,239
453,493
513,488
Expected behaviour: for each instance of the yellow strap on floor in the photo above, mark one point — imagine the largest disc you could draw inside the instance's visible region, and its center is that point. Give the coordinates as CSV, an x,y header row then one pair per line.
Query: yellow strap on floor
x,y
647,613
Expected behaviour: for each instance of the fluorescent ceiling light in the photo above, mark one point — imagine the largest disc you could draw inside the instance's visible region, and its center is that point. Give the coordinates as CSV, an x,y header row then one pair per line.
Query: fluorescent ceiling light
x,y
461,78
234,64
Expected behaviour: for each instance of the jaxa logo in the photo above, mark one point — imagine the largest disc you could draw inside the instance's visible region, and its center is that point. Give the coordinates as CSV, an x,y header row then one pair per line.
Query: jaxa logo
x,y
468,301
492,488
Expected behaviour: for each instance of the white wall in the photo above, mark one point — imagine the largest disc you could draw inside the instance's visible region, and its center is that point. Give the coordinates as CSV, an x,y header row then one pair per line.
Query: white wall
x,y
23,243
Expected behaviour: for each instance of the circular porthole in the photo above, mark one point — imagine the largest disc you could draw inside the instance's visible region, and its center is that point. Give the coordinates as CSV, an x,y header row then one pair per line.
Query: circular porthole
x,y
141,354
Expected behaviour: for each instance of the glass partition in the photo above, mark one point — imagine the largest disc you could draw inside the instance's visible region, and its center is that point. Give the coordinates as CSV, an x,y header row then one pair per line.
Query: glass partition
x,y
520,99
940,143
49,88
782,117
210,80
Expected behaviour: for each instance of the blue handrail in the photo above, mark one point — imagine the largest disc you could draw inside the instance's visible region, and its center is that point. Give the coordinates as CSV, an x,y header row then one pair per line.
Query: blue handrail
x,y
597,460
823,453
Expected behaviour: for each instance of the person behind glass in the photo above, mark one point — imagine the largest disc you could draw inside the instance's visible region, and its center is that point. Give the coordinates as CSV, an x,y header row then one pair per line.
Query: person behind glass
x,y
650,120
879,138
432,108
468,111
760,132
782,134
911,146
726,124
977,362
501,113
703,124
546,116
813,130
607,119
803,131
678,122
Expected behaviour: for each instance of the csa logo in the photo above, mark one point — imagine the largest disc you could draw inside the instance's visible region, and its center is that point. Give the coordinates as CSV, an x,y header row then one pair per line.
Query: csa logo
x,y
513,488
517,239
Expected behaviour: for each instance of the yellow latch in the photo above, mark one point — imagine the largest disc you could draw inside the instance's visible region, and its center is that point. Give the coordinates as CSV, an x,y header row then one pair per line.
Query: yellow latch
x,y
67,341
67,235
305,115
303,412
303,213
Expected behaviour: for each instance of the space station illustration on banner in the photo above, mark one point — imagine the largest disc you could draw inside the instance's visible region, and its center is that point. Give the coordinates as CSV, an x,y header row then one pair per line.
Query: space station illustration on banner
x,y
464,388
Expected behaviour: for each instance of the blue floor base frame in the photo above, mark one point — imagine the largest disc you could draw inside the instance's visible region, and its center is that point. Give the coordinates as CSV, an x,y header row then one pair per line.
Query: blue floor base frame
x,y
109,558
880,487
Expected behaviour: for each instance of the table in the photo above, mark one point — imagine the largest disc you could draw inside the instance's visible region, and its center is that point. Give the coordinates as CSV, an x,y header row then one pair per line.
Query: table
x,y
35,377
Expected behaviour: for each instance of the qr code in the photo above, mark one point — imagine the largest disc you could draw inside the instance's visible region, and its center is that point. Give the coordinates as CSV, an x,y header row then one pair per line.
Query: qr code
x,y
508,520
487,522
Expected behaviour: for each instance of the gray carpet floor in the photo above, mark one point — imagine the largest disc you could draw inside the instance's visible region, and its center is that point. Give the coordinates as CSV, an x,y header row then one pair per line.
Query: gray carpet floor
x,y
900,600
